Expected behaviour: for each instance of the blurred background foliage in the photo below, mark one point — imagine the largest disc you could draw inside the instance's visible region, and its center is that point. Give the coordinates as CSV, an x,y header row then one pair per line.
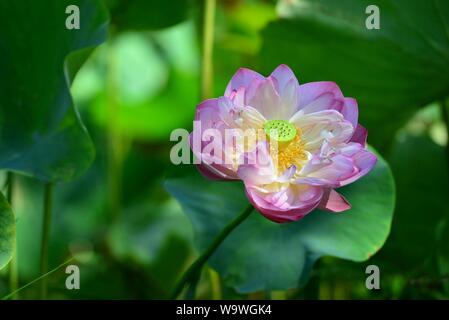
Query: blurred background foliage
x,y
144,81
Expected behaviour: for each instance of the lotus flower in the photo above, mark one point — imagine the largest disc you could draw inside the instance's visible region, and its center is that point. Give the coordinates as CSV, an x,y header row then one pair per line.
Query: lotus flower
x,y
320,145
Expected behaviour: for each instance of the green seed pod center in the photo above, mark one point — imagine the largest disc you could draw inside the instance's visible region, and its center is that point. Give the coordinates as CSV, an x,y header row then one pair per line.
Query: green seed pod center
x,y
280,130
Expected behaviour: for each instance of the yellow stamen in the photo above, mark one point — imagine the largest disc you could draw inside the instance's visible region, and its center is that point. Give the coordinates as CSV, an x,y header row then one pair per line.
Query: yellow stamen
x,y
287,154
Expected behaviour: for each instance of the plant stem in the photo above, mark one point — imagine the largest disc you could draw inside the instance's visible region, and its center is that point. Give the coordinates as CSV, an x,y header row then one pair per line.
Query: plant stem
x,y
208,46
114,148
13,266
46,224
215,285
196,267
191,292
43,276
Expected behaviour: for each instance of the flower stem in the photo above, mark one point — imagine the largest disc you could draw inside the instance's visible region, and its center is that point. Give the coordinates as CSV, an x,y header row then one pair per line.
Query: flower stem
x,y
13,266
208,46
46,224
195,269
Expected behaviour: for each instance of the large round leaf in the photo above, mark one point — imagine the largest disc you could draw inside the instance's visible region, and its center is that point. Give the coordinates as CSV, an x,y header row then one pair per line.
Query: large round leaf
x,y
41,133
262,255
7,231
414,248
391,71
421,176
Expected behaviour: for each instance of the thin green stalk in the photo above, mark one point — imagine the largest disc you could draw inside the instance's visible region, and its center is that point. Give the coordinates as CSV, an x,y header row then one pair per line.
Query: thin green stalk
x,y
207,73
43,276
114,150
46,225
215,285
191,292
195,269
13,265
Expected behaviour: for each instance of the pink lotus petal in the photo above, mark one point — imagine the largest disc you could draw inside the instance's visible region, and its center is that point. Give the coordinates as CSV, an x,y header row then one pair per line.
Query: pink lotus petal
x,y
212,174
238,97
284,78
285,206
360,135
340,167
212,113
350,111
317,96
256,167
321,126
287,175
364,161
263,96
334,202
242,78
